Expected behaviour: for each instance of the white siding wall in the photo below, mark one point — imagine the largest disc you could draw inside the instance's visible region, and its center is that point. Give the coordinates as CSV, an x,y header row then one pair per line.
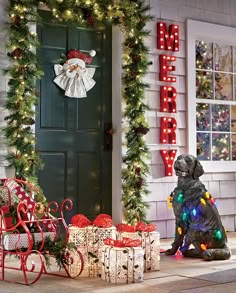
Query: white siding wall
x,y
221,186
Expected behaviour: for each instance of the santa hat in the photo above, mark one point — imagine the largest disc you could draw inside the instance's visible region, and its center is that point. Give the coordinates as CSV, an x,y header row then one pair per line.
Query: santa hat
x,y
77,54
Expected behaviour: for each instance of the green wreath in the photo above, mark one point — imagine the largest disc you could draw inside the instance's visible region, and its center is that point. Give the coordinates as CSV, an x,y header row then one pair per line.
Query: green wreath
x,y
24,70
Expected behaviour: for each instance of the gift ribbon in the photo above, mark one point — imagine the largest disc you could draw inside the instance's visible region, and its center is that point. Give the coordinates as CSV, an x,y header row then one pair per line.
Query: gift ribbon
x,y
102,220
125,242
142,227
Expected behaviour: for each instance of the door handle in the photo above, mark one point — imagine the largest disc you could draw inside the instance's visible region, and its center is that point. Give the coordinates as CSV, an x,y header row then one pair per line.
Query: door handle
x,y
108,139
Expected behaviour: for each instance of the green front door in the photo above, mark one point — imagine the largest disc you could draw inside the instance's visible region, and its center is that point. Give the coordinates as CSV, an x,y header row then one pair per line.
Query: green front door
x,y
70,132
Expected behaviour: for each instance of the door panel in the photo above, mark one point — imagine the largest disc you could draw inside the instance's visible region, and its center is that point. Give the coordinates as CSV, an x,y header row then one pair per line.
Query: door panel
x,y
70,131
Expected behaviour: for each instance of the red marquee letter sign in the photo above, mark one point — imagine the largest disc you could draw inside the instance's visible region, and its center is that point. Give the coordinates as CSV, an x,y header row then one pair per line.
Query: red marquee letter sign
x,y
168,157
168,99
167,40
168,127
165,67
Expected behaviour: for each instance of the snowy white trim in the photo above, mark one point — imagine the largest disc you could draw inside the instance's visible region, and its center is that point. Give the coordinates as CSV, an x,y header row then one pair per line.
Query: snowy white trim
x,y
198,30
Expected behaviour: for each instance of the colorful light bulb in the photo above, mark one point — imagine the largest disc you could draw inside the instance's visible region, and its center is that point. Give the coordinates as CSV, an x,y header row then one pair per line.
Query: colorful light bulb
x,y
179,230
203,246
180,197
202,200
218,234
184,216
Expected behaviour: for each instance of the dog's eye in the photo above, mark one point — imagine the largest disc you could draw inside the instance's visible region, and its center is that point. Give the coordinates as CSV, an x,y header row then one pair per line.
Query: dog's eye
x,y
188,160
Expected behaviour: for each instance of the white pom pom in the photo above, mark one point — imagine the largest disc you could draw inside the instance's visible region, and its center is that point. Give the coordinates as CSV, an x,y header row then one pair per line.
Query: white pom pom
x,y
92,53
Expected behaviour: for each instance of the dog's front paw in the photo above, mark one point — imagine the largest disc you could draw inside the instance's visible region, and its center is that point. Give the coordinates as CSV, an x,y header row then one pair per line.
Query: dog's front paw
x,y
171,251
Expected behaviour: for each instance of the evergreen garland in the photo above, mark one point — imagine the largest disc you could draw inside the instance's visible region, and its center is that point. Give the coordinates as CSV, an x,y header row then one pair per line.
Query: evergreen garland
x,y
24,70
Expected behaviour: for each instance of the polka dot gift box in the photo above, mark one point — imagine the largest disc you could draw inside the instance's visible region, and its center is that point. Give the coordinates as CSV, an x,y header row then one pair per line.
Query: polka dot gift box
x,y
17,190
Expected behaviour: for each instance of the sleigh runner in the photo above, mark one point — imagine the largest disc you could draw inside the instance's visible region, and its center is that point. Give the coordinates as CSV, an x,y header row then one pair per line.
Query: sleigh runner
x,y
34,232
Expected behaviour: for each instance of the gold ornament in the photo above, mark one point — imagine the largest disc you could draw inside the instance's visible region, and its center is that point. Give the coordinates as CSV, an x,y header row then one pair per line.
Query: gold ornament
x,y
67,14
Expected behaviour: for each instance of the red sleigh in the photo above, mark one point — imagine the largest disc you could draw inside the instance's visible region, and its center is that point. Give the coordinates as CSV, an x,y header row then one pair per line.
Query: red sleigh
x,y
32,233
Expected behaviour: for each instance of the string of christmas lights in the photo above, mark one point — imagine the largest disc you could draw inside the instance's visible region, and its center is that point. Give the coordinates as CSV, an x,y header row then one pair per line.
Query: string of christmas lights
x,y
24,70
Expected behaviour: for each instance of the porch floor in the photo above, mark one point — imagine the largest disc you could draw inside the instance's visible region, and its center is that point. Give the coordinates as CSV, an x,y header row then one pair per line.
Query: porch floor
x,y
177,274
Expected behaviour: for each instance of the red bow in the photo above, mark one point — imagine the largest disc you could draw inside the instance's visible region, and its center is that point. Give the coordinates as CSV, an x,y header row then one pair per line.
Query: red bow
x,y
139,227
125,242
104,221
80,221
125,228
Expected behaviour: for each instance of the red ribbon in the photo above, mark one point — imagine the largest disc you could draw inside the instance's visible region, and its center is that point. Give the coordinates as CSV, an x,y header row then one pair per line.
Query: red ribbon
x,y
125,242
125,228
80,221
102,220
143,227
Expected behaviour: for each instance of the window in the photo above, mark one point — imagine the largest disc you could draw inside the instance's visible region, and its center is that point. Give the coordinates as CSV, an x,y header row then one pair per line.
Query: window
x,y
211,71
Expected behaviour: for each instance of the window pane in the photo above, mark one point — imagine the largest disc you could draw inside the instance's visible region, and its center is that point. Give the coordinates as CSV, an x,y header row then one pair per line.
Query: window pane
x,y
220,147
223,57
234,147
220,118
203,55
203,117
233,118
223,87
203,146
204,85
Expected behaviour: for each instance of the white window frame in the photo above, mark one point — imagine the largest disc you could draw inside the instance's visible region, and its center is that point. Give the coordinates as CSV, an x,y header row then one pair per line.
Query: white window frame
x,y
198,30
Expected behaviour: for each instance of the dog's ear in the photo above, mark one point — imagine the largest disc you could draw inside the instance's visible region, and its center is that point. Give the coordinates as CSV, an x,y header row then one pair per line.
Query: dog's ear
x,y
198,170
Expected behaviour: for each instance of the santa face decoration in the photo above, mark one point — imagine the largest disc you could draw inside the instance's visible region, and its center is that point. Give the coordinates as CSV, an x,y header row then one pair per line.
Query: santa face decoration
x,y
73,76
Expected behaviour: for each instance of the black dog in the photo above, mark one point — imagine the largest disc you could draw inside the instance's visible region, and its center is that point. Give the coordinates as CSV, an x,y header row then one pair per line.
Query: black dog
x,y
197,219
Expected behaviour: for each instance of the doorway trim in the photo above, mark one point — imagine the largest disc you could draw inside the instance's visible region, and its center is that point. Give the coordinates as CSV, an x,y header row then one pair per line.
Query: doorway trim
x,y
117,124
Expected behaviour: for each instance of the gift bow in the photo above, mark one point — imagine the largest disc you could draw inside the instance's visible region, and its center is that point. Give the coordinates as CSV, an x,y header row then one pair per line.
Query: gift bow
x,y
125,242
142,227
102,220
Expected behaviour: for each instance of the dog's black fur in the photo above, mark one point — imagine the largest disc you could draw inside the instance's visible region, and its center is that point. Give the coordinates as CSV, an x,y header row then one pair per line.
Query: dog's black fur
x,y
201,224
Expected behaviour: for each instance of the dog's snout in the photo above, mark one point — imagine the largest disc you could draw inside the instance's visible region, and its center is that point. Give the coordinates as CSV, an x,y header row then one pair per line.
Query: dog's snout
x,y
177,163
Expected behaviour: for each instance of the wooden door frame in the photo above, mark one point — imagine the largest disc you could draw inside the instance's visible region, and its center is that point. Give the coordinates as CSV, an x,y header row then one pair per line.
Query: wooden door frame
x,y
116,121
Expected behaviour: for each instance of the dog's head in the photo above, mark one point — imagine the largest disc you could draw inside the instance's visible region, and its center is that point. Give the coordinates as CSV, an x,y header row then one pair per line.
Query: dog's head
x,y
188,165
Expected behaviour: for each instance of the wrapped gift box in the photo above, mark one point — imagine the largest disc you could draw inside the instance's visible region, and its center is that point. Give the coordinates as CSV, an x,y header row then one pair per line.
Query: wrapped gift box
x,y
151,246
20,240
89,241
122,264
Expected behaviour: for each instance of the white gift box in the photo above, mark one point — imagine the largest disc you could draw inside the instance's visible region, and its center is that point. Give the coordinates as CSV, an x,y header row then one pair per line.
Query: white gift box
x,y
150,242
89,241
122,264
21,240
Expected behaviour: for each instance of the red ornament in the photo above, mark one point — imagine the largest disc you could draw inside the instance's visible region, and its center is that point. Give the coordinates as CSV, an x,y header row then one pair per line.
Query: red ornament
x,y
17,53
142,130
90,20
